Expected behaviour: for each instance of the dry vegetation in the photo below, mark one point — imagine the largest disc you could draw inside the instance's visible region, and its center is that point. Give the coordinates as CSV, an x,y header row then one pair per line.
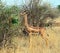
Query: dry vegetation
x,y
21,44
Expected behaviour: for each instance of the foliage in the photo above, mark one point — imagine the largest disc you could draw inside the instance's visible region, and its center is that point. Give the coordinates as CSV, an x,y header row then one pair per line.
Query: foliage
x,y
8,18
58,7
38,12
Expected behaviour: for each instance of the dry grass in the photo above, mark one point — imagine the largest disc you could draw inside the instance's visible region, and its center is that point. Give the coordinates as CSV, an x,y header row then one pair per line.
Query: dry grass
x,y
37,45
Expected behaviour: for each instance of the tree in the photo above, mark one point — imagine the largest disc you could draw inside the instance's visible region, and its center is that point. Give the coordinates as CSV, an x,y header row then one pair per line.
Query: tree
x,y
58,7
8,15
38,12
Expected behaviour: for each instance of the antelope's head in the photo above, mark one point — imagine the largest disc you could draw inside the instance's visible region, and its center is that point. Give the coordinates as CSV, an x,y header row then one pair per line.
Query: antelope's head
x,y
24,13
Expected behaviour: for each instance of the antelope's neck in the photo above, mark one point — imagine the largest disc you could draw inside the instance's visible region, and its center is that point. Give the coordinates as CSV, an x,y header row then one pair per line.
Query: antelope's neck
x,y
26,20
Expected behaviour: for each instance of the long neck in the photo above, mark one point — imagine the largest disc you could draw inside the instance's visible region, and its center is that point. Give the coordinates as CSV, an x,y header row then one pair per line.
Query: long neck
x,y
26,20
28,26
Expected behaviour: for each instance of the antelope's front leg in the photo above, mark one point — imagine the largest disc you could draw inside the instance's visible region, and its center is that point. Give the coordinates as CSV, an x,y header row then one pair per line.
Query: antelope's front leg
x,y
30,36
30,41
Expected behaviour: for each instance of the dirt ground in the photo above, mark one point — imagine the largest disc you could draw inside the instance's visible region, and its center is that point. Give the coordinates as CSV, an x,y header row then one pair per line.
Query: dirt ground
x,y
36,44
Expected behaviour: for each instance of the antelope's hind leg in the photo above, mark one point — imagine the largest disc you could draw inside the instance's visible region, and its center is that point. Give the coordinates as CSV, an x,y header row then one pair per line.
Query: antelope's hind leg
x,y
43,35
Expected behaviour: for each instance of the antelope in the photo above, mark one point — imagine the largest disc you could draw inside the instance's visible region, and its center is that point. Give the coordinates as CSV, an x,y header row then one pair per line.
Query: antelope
x,y
32,29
